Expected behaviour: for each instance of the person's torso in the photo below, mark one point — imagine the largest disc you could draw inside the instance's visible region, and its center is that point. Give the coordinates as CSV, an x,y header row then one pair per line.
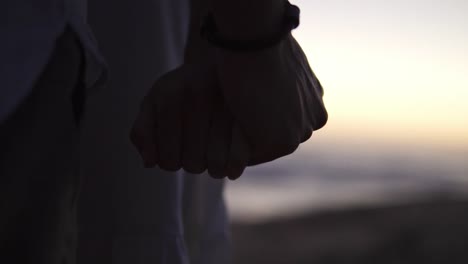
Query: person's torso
x,y
29,30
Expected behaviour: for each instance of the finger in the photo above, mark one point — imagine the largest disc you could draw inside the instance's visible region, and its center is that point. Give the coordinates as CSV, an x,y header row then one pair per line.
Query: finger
x,y
142,135
169,120
238,153
198,102
219,143
195,136
307,135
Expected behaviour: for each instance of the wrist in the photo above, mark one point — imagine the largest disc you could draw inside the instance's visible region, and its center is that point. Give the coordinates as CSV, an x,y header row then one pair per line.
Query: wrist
x,y
248,19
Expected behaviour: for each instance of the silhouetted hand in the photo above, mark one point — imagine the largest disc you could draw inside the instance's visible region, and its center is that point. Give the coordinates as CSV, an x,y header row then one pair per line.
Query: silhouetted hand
x,y
275,97
230,110
184,123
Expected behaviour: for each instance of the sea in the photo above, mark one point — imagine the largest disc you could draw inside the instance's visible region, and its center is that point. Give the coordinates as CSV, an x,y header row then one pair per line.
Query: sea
x,y
329,176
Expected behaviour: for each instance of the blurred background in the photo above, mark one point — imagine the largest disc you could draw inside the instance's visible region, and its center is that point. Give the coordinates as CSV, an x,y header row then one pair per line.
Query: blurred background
x,y
386,181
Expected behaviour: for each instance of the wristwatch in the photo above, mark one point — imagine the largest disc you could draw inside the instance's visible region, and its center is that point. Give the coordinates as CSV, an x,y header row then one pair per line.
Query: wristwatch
x,y
210,32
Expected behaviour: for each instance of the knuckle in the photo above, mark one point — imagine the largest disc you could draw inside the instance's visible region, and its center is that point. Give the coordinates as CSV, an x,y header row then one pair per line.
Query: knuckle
x,y
236,173
273,149
286,148
286,143
307,135
169,164
216,168
236,162
217,174
235,176
322,120
194,170
193,158
169,167
319,117
194,167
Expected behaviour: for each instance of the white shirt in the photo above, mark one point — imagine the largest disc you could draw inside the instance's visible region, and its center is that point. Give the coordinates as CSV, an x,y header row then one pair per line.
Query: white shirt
x,y
137,211
28,31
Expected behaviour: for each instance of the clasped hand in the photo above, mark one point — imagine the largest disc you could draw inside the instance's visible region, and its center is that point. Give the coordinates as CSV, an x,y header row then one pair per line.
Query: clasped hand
x,y
230,110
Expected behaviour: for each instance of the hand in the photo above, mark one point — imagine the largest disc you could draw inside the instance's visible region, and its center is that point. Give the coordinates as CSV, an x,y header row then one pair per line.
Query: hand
x,y
275,97
184,123
268,102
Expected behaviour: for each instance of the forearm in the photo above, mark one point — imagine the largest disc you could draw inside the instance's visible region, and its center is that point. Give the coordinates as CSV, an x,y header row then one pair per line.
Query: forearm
x,y
243,108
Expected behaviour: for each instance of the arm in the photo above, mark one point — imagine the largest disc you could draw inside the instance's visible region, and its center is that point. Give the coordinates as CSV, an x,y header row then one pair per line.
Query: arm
x,y
273,131
225,110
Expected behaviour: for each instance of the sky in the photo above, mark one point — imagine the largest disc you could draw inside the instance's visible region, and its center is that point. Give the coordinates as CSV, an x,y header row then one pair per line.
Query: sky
x,y
393,71
395,75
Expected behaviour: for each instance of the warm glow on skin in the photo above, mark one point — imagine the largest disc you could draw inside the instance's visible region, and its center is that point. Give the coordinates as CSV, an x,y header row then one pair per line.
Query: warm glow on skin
x,y
391,69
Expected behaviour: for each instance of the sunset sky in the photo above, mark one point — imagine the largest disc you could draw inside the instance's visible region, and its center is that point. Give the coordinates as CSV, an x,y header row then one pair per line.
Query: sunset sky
x,y
393,71
395,75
